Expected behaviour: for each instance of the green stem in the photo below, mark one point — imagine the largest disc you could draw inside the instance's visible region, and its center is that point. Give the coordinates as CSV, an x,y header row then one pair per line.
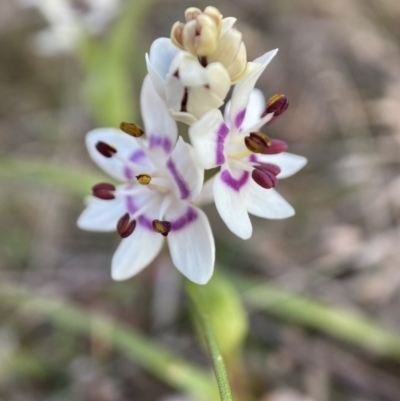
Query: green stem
x,y
170,369
349,326
202,308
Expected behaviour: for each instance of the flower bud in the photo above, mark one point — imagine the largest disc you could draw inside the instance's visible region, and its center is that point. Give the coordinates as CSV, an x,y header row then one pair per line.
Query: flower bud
x,y
200,32
212,39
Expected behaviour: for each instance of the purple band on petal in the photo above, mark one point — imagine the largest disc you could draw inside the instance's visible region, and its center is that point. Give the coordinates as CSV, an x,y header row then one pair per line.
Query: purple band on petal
x,y
222,133
160,141
182,185
184,220
235,184
134,157
132,209
239,118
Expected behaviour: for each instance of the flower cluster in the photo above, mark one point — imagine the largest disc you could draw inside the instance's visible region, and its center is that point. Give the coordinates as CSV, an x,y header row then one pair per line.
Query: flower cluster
x,y
189,77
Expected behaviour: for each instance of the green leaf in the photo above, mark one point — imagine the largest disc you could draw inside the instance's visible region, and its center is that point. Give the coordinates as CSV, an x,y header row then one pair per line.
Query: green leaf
x,y
226,312
204,310
36,172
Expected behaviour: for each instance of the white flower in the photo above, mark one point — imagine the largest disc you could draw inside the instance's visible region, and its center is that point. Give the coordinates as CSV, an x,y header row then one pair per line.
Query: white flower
x,y
189,89
245,182
161,180
68,20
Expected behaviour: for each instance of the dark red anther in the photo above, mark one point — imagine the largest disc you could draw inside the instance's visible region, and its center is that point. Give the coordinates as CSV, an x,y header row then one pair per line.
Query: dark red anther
x,y
272,168
126,226
257,142
162,227
277,146
105,149
264,178
277,105
104,191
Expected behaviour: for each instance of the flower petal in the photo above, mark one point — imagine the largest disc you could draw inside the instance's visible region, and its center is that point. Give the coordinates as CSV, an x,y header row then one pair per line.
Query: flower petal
x,y
162,52
101,215
185,172
242,91
208,136
191,242
135,253
160,127
127,147
230,205
206,195
201,99
227,23
289,163
266,203
254,110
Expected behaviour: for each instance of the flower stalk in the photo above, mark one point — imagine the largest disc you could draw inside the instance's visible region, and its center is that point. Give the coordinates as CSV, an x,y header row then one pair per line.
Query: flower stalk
x,y
197,294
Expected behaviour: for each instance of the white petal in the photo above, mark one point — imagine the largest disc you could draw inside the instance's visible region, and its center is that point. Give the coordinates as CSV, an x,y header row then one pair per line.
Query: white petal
x,y
156,79
102,215
201,99
160,127
206,195
255,109
191,72
227,23
162,52
174,92
218,79
135,253
231,207
191,242
127,147
186,174
242,91
208,136
183,117
289,163
266,203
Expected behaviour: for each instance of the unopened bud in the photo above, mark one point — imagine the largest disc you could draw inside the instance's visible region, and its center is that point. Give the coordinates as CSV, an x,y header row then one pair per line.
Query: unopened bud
x,y
126,226
277,104
257,142
200,32
104,191
162,227
105,149
131,129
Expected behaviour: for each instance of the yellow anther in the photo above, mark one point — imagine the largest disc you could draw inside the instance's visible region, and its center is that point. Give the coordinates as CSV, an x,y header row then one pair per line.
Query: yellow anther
x,y
143,179
131,129
274,99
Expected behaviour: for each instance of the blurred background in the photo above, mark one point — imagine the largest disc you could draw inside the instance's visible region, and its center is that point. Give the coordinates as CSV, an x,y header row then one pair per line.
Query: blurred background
x,y
326,324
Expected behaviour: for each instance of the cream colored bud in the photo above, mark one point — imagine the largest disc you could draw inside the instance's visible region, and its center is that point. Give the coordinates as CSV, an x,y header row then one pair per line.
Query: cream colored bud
x,y
192,13
231,53
200,33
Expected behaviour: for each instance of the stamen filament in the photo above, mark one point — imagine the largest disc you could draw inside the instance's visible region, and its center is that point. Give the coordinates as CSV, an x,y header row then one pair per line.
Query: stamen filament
x,y
130,164
241,154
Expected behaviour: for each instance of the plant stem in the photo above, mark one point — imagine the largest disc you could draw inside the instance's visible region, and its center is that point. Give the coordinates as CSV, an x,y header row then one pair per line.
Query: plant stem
x,y
351,327
202,308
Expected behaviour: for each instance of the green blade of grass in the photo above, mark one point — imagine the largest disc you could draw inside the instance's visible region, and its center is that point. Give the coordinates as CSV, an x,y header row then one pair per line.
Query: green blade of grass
x,y
172,370
348,326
